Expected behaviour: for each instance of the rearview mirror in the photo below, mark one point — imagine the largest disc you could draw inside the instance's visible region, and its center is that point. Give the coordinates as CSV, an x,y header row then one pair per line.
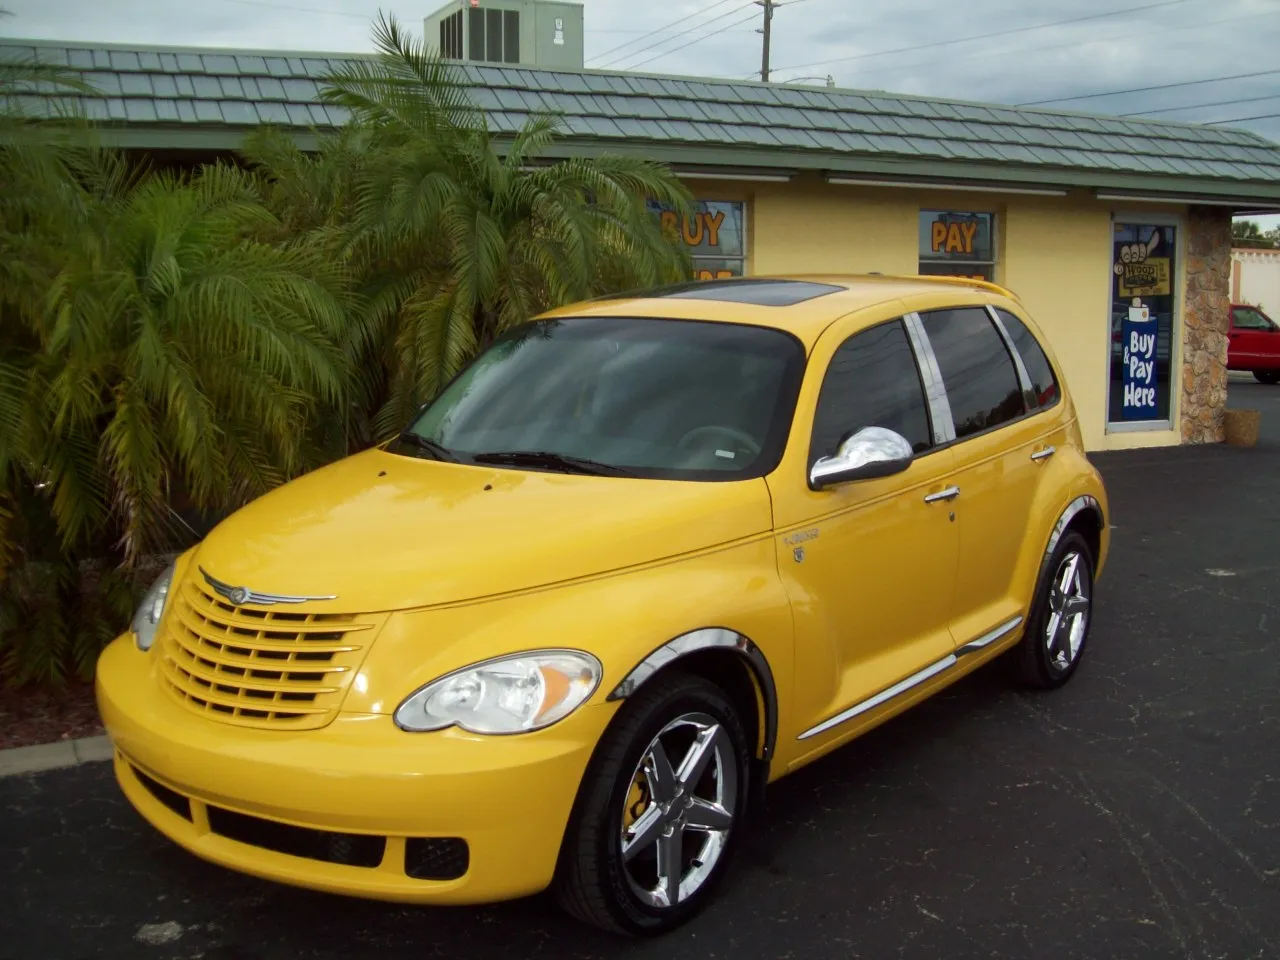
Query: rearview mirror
x,y
871,452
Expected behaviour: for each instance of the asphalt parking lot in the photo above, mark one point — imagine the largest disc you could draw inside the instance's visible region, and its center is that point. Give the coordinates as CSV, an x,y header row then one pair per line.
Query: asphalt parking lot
x,y
1135,813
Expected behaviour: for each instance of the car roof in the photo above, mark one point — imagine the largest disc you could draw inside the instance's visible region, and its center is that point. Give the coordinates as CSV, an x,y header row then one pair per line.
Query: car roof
x,y
802,304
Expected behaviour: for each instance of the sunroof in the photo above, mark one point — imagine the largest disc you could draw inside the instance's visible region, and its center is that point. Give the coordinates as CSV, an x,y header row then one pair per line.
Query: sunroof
x,y
760,293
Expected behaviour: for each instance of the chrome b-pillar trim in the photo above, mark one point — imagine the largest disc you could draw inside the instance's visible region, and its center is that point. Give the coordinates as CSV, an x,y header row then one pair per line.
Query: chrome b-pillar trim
x,y
709,638
1024,378
944,428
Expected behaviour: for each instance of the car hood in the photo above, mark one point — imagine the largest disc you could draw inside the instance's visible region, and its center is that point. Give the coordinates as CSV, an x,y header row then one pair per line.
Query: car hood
x,y
381,532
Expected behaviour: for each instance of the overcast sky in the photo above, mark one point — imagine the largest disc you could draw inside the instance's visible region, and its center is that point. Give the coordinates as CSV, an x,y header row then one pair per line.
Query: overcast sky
x,y
909,46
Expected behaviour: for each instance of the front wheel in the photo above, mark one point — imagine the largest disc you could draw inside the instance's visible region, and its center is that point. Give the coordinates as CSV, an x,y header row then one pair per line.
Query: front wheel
x,y
1058,626
659,811
1267,376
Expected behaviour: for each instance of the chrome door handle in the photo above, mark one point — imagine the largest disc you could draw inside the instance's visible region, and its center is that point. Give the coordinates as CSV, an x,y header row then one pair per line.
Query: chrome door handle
x,y
948,494
1044,454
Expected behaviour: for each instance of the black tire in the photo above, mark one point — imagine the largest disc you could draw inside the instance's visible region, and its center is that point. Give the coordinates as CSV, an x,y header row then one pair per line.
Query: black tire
x,y
1271,377
1034,664
592,882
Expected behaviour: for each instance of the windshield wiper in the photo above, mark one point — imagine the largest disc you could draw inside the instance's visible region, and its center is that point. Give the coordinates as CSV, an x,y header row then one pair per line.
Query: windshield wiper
x,y
551,461
429,446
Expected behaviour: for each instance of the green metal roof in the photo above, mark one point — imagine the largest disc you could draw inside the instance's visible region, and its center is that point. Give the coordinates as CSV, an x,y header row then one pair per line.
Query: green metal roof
x,y
192,97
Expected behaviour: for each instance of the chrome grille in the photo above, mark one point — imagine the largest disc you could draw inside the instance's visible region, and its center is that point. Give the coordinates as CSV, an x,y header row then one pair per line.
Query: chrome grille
x,y
260,668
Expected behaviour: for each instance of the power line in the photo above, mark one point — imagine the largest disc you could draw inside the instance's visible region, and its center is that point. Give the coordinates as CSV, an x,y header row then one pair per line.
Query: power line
x,y
664,28
705,23
1197,106
699,39
1265,116
986,36
1158,86
982,54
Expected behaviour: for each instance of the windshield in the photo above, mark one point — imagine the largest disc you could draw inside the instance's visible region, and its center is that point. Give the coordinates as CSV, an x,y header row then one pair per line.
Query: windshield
x,y
639,397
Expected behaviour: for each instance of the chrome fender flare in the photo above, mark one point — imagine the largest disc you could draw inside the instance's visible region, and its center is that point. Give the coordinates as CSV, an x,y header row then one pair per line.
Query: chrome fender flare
x,y
710,638
1076,507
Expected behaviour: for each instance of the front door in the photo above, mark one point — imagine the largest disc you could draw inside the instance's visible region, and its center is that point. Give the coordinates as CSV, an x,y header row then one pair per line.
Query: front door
x,y
870,565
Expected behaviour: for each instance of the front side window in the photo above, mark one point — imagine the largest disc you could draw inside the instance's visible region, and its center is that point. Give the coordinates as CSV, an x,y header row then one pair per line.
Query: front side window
x,y
1044,385
872,381
977,371
1246,318
674,399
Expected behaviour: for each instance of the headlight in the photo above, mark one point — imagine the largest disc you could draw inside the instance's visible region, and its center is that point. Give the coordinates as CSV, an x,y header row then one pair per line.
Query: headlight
x,y
150,610
515,694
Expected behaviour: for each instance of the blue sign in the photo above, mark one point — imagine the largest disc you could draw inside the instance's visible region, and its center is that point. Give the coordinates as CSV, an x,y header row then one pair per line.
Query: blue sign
x,y
1139,374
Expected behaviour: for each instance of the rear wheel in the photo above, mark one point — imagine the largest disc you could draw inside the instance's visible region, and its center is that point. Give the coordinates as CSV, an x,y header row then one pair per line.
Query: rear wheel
x,y
659,810
1267,376
1058,626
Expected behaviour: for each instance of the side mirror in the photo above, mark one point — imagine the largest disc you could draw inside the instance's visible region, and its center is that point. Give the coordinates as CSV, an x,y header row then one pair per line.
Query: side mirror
x,y
871,452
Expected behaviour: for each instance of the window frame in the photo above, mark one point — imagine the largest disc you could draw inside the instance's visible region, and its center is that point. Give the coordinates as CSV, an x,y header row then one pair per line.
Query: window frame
x,y
1177,324
987,266
1024,381
929,409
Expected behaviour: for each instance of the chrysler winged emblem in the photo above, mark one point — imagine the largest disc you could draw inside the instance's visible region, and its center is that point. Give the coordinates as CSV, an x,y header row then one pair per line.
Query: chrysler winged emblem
x,y
239,596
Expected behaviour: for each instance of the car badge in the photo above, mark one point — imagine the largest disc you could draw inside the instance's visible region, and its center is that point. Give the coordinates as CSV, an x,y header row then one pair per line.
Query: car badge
x,y
239,596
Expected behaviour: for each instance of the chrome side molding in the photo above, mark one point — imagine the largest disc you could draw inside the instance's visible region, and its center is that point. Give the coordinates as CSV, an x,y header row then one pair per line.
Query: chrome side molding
x,y
990,637
917,678
884,696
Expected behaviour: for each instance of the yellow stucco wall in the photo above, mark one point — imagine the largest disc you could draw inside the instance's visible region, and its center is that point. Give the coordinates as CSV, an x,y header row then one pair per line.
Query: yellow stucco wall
x,y
1054,252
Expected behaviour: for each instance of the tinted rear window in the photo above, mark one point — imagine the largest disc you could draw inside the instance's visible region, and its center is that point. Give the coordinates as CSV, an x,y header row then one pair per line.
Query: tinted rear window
x,y
977,371
1044,385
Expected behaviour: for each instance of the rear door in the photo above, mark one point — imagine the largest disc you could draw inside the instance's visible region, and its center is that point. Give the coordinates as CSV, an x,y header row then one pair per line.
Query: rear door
x,y
1004,437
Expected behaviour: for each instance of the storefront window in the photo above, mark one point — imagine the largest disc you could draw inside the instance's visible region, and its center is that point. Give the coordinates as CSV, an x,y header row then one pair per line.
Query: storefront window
x,y
1142,315
956,244
715,235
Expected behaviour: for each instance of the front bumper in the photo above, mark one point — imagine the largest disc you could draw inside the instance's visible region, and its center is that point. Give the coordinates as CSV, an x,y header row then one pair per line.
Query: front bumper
x,y
361,790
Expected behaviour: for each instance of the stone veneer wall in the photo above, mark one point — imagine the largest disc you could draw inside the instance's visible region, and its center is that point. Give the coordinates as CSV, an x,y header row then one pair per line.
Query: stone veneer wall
x,y
1205,308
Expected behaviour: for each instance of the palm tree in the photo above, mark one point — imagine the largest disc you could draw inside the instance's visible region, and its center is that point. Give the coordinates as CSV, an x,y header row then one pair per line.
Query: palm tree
x,y
457,235
1247,233
155,351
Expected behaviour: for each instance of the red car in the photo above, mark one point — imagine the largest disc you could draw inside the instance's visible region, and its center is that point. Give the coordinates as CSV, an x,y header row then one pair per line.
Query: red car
x,y
1253,343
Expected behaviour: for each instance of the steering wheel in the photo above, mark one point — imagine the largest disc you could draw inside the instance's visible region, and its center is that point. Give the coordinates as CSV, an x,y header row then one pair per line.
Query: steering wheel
x,y
743,438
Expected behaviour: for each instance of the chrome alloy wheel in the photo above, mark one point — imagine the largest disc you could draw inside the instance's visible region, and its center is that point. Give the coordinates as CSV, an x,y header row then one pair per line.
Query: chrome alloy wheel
x,y
1069,605
678,818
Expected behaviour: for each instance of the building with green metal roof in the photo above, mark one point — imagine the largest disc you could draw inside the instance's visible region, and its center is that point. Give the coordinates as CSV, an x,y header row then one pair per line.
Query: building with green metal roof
x,y
1052,204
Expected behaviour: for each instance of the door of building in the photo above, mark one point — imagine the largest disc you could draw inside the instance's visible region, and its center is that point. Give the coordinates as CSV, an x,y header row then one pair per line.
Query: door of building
x,y
1143,315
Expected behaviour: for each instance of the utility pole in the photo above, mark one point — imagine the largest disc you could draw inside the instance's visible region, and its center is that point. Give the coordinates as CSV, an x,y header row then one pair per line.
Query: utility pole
x,y
768,21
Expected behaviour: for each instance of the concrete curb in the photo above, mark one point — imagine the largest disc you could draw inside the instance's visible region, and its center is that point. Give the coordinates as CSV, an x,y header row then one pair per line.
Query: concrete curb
x,y
52,756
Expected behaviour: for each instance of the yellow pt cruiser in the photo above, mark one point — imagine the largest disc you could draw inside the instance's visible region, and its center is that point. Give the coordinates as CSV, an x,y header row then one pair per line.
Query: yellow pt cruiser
x,y
641,557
